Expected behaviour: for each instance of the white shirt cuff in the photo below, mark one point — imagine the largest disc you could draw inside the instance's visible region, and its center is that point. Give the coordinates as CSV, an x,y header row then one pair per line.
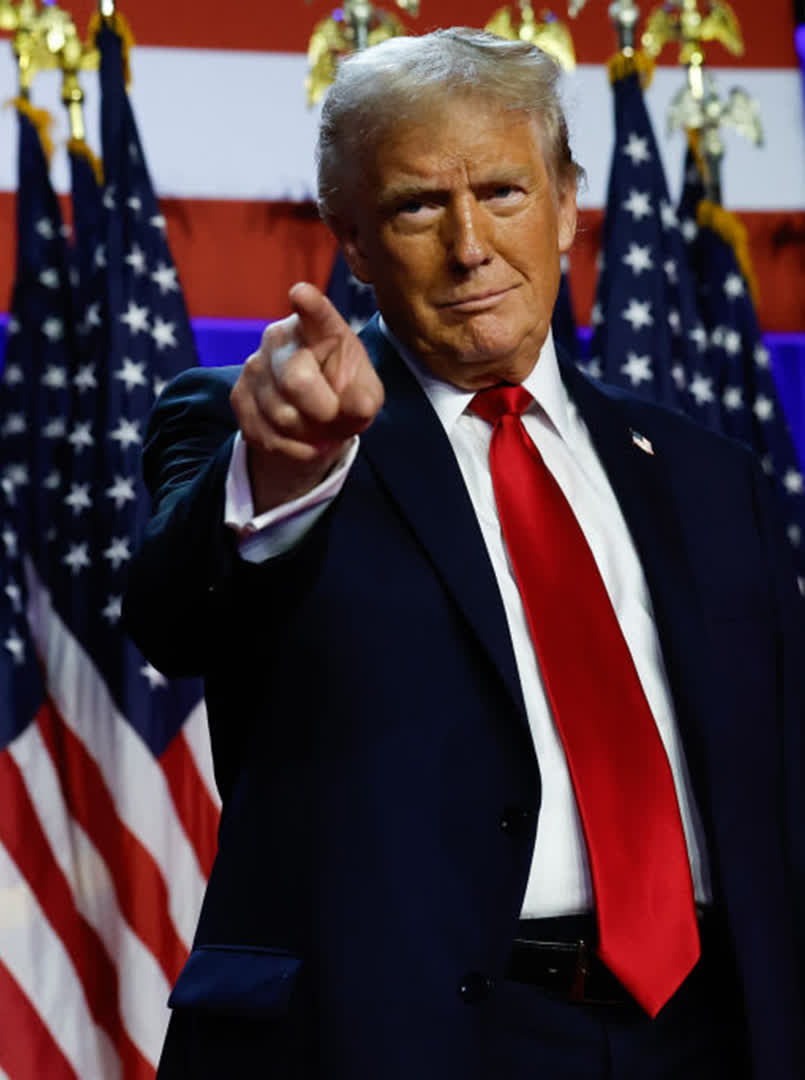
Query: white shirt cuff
x,y
276,531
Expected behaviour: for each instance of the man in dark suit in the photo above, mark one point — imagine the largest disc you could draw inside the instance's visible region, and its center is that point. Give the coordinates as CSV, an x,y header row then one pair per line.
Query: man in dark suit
x,y
503,669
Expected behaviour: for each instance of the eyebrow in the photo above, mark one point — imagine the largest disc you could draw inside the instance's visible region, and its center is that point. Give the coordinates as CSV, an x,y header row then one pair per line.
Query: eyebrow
x,y
404,189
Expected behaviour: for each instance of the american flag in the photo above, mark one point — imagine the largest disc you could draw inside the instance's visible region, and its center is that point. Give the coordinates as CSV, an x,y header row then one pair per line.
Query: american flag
x,y
646,332
354,301
739,378
113,811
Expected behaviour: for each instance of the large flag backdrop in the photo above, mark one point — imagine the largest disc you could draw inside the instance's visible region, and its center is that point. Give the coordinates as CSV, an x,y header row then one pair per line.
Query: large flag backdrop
x,y
109,810
221,104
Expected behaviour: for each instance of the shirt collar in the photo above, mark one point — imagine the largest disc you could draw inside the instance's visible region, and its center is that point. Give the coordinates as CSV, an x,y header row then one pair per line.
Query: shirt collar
x,y
543,382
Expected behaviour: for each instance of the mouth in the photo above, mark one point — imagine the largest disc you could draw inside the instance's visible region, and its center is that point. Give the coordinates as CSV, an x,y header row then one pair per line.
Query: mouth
x,y
480,301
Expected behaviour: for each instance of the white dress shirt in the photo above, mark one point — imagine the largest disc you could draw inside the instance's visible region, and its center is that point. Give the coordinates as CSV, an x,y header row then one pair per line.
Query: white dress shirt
x,y
559,882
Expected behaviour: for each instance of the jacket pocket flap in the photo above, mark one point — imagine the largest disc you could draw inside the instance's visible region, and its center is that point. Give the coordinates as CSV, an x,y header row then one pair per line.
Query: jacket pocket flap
x,y
236,980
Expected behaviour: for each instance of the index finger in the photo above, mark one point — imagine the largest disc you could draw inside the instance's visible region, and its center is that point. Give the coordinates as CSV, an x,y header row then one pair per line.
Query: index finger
x,y
318,317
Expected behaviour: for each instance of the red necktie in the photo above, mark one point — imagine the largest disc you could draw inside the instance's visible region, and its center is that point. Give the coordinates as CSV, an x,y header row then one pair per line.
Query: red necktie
x,y
648,936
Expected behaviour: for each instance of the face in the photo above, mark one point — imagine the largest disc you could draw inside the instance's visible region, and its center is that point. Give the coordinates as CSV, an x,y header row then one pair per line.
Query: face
x,y
459,229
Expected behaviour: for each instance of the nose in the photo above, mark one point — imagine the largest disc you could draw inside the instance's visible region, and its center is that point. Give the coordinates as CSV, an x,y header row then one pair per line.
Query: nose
x,y
466,234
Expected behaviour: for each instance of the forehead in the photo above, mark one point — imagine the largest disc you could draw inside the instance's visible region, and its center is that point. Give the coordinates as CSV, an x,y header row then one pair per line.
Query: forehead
x,y
459,135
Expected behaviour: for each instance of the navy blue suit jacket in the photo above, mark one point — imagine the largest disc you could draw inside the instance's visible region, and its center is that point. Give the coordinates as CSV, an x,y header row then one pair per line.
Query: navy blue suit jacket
x,y
369,735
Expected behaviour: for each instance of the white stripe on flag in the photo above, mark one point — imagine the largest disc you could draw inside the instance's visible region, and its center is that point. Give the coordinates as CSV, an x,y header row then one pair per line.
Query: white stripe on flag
x,y
36,958
222,124
143,987
197,736
132,775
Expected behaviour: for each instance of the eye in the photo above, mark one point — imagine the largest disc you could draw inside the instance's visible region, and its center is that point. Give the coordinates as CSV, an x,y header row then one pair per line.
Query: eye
x,y
503,192
410,207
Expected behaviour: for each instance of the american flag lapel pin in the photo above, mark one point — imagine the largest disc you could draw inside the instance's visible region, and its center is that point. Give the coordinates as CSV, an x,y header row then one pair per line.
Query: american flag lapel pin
x,y
641,442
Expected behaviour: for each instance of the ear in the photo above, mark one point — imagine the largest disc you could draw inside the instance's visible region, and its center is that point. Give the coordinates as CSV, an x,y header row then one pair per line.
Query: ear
x,y
347,235
566,215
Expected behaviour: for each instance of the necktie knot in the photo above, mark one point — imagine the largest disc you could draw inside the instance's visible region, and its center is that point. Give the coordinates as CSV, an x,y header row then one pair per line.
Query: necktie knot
x,y
500,401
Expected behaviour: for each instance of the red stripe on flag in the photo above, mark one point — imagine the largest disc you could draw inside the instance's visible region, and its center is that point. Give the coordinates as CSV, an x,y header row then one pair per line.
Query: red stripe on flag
x,y
27,1049
141,891
23,837
194,806
768,28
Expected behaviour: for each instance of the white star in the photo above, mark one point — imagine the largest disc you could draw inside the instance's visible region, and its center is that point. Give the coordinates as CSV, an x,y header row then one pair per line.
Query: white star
x,y
50,278
45,228
55,378
698,336
702,389
792,482
55,428
134,152
163,334
92,315
118,551
81,436
637,149
763,408
158,221
122,491
12,376
78,499
14,424
136,318
155,678
52,481
639,258
717,336
113,609
762,356
592,368
637,368
638,204
85,379
14,594
77,558
99,258
689,230
131,374
734,286
135,203
767,465
109,198
15,646
639,314
17,474
165,277
126,433
668,215
136,260
732,342
674,320
733,398
794,533
53,328
596,315
9,538
669,266
679,376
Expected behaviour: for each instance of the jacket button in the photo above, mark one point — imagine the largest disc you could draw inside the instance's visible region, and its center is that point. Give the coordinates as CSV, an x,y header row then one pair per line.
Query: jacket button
x,y
514,820
474,987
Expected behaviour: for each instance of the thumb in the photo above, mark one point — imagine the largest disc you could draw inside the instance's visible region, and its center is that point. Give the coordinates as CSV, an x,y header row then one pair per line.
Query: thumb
x,y
318,318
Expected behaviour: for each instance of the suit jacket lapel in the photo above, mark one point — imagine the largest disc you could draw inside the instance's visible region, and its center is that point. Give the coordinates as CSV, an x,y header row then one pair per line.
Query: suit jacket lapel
x,y
410,451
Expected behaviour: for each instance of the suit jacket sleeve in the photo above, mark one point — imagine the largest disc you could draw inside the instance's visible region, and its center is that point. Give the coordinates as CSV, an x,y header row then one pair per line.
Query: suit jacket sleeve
x,y
190,598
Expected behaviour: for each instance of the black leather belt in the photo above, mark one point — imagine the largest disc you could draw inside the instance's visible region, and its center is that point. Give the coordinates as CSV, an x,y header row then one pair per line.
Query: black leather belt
x,y
558,956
